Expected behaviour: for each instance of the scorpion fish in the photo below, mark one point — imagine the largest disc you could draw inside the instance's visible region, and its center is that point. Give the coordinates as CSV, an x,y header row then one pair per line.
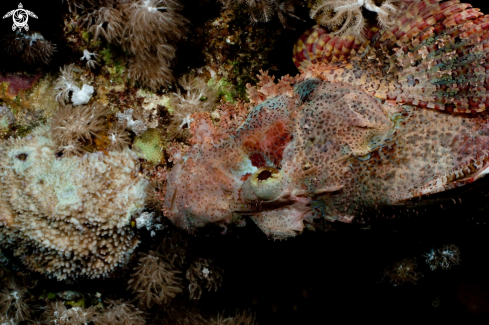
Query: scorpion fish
x,y
383,122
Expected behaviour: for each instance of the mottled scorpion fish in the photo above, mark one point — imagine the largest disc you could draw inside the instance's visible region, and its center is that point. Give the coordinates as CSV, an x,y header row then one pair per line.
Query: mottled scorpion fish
x,y
383,122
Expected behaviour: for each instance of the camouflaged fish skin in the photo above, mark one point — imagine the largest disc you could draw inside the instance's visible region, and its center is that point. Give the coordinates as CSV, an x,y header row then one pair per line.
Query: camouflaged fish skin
x,y
364,126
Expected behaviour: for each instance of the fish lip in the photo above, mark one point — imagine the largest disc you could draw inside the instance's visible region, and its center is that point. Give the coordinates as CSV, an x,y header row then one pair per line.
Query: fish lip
x,y
441,183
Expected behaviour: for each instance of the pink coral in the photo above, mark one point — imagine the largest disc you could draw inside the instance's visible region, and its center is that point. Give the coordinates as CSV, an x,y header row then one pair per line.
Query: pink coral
x,y
359,130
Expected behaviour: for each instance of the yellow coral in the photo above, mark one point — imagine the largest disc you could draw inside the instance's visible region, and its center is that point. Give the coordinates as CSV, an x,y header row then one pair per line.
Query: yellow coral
x,y
149,146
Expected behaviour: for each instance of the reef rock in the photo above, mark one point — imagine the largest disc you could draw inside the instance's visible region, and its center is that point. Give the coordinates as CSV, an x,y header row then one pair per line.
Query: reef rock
x,y
366,125
68,216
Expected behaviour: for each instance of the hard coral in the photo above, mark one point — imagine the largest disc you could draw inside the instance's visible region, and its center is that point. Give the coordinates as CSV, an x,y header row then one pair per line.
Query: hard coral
x,y
67,217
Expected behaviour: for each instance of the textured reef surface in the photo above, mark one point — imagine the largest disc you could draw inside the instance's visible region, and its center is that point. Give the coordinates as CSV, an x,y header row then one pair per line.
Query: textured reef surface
x,y
159,159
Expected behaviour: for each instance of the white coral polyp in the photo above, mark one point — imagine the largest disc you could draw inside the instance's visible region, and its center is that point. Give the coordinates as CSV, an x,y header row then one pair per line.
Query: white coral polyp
x,y
68,217
81,96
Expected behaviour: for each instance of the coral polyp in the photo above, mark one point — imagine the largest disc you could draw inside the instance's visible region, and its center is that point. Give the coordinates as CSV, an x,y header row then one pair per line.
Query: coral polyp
x,y
67,218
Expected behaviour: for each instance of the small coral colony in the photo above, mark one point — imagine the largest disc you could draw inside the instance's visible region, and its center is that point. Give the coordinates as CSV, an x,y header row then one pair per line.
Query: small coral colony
x,y
112,165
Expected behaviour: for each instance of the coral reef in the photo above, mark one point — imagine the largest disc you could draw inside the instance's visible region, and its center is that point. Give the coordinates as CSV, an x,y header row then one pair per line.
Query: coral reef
x,y
155,281
403,271
7,119
13,301
199,97
347,15
150,146
67,217
265,10
66,85
147,29
119,312
269,163
444,257
32,48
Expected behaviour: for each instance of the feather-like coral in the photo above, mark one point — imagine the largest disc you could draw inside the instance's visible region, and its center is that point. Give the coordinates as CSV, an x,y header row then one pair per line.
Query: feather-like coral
x,y
265,10
203,273
57,313
70,125
345,17
198,97
147,29
32,48
118,138
120,312
154,280
66,86
245,317
444,257
13,301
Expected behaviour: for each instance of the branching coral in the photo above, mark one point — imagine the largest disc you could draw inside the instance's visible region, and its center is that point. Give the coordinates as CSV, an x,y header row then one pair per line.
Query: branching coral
x,y
120,312
198,97
347,15
444,257
67,217
154,281
90,58
202,272
57,313
13,301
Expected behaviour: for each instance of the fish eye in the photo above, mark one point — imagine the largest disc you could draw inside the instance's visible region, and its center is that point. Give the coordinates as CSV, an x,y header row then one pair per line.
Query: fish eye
x,y
266,185
264,175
